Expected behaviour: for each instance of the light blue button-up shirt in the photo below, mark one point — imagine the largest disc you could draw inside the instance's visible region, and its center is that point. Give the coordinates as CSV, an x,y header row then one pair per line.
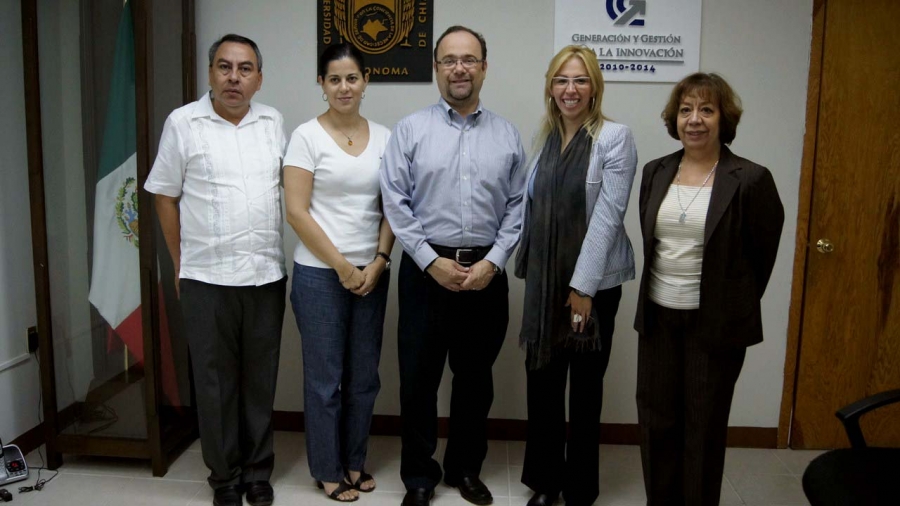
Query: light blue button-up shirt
x,y
454,181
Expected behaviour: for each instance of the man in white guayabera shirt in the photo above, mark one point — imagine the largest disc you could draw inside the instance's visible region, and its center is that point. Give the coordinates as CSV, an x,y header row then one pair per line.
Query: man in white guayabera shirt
x,y
218,197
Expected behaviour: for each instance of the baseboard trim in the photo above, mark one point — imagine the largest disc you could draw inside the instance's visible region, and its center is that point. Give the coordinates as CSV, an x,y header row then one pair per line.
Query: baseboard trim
x,y
497,428
30,440
753,437
515,430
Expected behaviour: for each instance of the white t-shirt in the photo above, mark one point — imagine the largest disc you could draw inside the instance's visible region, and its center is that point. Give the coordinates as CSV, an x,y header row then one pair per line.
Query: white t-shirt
x,y
346,191
228,178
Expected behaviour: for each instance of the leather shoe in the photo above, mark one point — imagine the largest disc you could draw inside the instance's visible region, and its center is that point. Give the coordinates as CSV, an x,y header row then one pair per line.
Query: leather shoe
x,y
418,497
539,499
472,489
229,495
259,493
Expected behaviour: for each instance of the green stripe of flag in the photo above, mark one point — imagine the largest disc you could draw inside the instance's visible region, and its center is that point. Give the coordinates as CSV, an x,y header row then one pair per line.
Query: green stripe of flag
x,y
120,130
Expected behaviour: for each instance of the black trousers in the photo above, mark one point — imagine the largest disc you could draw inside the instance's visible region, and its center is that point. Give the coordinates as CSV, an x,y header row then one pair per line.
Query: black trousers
x,y
234,337
556,460
684,393
436,324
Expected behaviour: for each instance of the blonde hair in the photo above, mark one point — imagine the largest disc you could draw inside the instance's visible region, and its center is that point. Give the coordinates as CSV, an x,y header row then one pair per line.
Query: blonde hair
x,y
551,121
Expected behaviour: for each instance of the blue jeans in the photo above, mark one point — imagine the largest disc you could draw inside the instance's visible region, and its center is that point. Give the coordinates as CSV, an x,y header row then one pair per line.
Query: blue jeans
x,y
341,337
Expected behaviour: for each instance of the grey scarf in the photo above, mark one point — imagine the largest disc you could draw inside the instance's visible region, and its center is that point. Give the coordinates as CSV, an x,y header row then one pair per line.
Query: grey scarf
x,y
550,249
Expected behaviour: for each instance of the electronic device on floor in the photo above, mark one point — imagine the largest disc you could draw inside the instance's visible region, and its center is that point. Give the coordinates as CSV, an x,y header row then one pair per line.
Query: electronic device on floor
x,y
12,464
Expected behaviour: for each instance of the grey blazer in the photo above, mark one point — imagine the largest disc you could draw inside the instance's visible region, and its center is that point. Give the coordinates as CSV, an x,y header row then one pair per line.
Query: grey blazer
x,y
606,259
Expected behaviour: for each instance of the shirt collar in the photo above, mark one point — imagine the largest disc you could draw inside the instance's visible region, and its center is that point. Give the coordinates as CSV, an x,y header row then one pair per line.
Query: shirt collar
x,y
205,110
450,113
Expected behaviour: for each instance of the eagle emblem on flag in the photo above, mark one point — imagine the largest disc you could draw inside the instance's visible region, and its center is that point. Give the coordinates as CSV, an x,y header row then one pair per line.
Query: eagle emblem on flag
x,y
127,210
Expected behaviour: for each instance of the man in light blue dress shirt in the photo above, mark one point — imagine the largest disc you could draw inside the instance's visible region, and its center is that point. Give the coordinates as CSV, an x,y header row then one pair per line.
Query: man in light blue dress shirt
x,y
452,180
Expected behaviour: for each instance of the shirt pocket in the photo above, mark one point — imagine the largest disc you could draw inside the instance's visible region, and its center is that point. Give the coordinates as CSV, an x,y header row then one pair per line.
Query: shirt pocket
x,y
493,170
208,173
594,173
262,174
592,194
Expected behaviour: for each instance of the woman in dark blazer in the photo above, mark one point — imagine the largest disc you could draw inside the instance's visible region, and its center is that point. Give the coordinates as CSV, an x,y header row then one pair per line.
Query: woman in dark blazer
x,y
711,222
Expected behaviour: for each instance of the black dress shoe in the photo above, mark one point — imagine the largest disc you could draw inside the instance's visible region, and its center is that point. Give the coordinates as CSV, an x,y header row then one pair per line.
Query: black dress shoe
x,y
228,496
539,499
418,497
259,493
472,489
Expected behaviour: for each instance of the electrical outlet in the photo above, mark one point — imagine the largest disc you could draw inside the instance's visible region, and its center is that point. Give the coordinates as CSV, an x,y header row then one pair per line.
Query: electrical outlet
x,y
32,339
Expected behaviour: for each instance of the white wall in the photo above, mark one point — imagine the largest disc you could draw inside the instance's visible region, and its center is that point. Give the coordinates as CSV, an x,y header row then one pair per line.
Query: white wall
x,y
19,380
762,48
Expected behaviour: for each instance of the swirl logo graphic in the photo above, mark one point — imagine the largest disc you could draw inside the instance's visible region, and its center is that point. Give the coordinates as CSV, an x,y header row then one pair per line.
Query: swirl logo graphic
x,y
622,16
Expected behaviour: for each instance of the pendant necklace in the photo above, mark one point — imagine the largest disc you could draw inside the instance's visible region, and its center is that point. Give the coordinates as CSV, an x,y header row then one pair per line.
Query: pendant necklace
x,y
349,137
683,217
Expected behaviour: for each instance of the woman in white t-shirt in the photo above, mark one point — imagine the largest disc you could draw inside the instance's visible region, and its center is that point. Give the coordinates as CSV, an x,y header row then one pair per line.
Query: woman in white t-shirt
x,y
338,290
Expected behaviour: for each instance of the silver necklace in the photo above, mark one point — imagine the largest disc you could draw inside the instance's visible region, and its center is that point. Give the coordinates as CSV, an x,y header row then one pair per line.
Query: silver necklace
x,y
683,217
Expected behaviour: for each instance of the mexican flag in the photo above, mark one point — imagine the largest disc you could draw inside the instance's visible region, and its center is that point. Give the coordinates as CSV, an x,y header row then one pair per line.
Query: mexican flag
x,y
115,280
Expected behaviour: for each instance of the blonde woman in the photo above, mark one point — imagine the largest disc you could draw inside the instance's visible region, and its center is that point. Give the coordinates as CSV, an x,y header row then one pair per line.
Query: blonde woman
x,y
574,256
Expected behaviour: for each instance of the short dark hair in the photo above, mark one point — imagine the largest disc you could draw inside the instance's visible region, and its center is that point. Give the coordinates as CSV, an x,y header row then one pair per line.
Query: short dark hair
x,y
340,51
460,28
711,87
239,39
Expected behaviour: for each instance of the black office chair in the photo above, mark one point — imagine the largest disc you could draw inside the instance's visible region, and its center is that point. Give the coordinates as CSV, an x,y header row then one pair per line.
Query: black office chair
x,y
859,475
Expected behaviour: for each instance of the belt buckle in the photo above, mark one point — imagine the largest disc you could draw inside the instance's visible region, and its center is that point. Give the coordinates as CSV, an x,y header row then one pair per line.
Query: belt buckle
x,y
463,250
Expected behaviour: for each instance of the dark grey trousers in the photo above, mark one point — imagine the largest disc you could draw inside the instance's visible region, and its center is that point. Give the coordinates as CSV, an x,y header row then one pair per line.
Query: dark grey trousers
x,y
234,336
684,393
557,458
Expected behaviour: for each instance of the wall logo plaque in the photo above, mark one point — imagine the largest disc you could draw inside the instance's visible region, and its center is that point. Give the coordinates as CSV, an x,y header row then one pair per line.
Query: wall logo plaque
x,y
394,35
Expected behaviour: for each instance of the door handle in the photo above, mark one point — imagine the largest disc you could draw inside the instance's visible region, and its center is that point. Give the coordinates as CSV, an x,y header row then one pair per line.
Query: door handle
x,y
824,246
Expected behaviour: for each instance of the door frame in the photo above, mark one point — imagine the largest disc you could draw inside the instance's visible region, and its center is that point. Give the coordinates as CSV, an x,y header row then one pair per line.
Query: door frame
x,y
804,210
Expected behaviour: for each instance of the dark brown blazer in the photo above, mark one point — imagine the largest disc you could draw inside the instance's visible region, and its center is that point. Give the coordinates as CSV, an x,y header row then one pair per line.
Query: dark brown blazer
x,y
743,228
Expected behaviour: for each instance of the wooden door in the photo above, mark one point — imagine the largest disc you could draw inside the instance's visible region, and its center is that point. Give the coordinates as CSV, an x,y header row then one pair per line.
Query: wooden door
x,y
850,335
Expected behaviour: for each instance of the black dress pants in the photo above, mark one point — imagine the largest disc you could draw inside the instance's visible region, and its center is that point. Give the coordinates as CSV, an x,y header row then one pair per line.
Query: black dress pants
x,y
234,337
684,392
557,460
436,324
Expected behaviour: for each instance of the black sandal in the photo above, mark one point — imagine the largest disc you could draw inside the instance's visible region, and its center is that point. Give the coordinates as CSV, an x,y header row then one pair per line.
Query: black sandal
x,y
342,487
363,477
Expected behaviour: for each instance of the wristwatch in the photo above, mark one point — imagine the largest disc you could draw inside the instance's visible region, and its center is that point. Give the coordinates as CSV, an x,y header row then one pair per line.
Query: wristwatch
x,y
386,257
496,267
580,293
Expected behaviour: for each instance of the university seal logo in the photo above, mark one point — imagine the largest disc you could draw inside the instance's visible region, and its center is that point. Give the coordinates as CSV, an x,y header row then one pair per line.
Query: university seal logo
x,y
394,35
374,26
127,210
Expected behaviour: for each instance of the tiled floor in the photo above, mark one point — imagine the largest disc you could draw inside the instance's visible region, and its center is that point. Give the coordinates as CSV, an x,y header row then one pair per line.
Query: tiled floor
x,y
752,477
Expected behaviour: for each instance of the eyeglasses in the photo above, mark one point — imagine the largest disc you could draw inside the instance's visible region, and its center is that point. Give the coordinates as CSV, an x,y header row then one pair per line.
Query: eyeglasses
x,y
563,82
449,63
244,69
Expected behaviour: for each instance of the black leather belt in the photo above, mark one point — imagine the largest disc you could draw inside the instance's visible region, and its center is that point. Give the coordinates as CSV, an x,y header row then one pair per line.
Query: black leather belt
x,y
462,256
